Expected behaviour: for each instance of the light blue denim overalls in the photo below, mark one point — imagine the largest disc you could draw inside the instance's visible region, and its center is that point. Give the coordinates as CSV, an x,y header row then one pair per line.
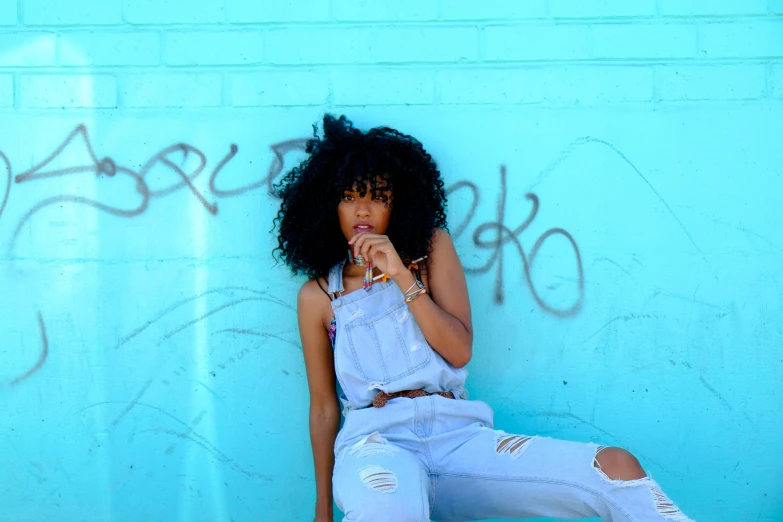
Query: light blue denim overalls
x,y
440,458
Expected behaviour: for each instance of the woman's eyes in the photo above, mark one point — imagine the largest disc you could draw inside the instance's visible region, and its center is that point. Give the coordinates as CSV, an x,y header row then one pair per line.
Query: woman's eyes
x,y
379,197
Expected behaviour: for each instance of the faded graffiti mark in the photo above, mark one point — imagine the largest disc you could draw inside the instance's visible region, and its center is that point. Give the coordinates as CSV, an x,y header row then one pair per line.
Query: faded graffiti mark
x,y
716,393
492,236
131,404
503,235
41,359
226,291
215,310
624,318
473,205
190,429
723,401
275,169
163,157
267,335
588,140
189,434
239,355
9,175
236,357
108,167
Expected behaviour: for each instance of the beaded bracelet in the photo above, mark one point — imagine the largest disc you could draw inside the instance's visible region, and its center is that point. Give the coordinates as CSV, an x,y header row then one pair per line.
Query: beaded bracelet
x,y
411,295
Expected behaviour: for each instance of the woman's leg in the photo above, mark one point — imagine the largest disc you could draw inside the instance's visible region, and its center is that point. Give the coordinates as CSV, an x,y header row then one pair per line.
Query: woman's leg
x,y
483,473
375,481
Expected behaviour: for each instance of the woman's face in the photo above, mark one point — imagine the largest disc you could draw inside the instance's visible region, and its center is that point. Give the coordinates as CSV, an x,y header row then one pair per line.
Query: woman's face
x,y
369,213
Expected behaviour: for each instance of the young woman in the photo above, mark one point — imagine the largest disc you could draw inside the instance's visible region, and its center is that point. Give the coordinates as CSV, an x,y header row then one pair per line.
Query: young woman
x,y
386,330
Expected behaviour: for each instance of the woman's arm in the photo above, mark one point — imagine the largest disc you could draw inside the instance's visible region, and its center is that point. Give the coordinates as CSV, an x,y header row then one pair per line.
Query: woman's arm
x,y
324,408
444,318
444,315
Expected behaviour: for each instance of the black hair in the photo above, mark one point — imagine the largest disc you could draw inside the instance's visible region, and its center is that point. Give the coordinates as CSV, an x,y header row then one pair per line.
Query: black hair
x,y
309,237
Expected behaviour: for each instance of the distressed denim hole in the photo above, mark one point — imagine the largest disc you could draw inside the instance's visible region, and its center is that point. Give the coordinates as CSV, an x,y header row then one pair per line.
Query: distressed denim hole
x,y
663,505
379,479
514,445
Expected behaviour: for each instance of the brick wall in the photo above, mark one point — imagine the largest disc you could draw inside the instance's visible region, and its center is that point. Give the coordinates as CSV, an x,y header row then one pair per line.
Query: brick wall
x,y
242,54
150,364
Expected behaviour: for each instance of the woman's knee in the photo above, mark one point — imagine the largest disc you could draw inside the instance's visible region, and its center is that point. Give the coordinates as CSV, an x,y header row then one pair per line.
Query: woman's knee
x,y
618,464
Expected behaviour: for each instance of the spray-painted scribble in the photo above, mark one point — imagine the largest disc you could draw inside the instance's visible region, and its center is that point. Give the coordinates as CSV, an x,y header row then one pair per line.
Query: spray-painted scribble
x,y
475,195
166,158
109,168
188,434
275,169
503,235
227,291
168,335
41,358
588,140
8,174
128,407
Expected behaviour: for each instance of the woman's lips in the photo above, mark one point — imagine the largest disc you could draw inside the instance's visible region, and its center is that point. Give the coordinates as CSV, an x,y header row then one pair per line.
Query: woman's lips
x,y
362,228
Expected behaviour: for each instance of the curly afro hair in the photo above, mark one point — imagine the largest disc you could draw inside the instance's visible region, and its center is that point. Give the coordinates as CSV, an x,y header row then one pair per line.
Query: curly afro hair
x,y
309,238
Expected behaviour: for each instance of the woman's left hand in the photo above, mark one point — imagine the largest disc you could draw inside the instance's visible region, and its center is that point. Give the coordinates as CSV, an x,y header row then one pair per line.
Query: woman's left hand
x,y
380,250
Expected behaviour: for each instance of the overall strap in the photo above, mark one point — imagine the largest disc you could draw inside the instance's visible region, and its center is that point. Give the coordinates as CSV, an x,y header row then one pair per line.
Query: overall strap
x,y
336,279
318,281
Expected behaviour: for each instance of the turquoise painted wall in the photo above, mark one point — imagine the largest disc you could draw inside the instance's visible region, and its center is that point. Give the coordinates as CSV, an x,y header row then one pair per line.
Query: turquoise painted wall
x,y
150,366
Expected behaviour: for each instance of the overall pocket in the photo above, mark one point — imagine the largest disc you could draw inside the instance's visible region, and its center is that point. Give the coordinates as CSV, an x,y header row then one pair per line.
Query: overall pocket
x,y
388,347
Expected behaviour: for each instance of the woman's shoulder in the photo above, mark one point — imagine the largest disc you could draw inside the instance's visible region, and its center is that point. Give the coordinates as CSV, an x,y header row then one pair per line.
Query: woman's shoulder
x,y
312,294
439,234
441,240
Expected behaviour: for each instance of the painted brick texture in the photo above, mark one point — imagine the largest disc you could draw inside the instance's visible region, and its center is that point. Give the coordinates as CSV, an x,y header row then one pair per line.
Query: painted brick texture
x,y
8,13
649,129
242,53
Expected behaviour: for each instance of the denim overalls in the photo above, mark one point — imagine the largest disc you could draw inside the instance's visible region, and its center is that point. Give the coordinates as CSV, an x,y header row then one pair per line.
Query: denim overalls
x,y
440,458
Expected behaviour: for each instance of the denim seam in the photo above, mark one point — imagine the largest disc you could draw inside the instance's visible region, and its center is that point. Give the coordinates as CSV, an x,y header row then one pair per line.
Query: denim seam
x,y
544,481
342,385
353,354
432,414
335,280
435,485
425,446
347,332
379,352
434,477
434,482
357,295
426,510
401,342
379,318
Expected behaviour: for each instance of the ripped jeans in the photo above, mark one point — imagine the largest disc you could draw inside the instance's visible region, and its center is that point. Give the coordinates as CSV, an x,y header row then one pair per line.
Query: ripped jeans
x,y
432,457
